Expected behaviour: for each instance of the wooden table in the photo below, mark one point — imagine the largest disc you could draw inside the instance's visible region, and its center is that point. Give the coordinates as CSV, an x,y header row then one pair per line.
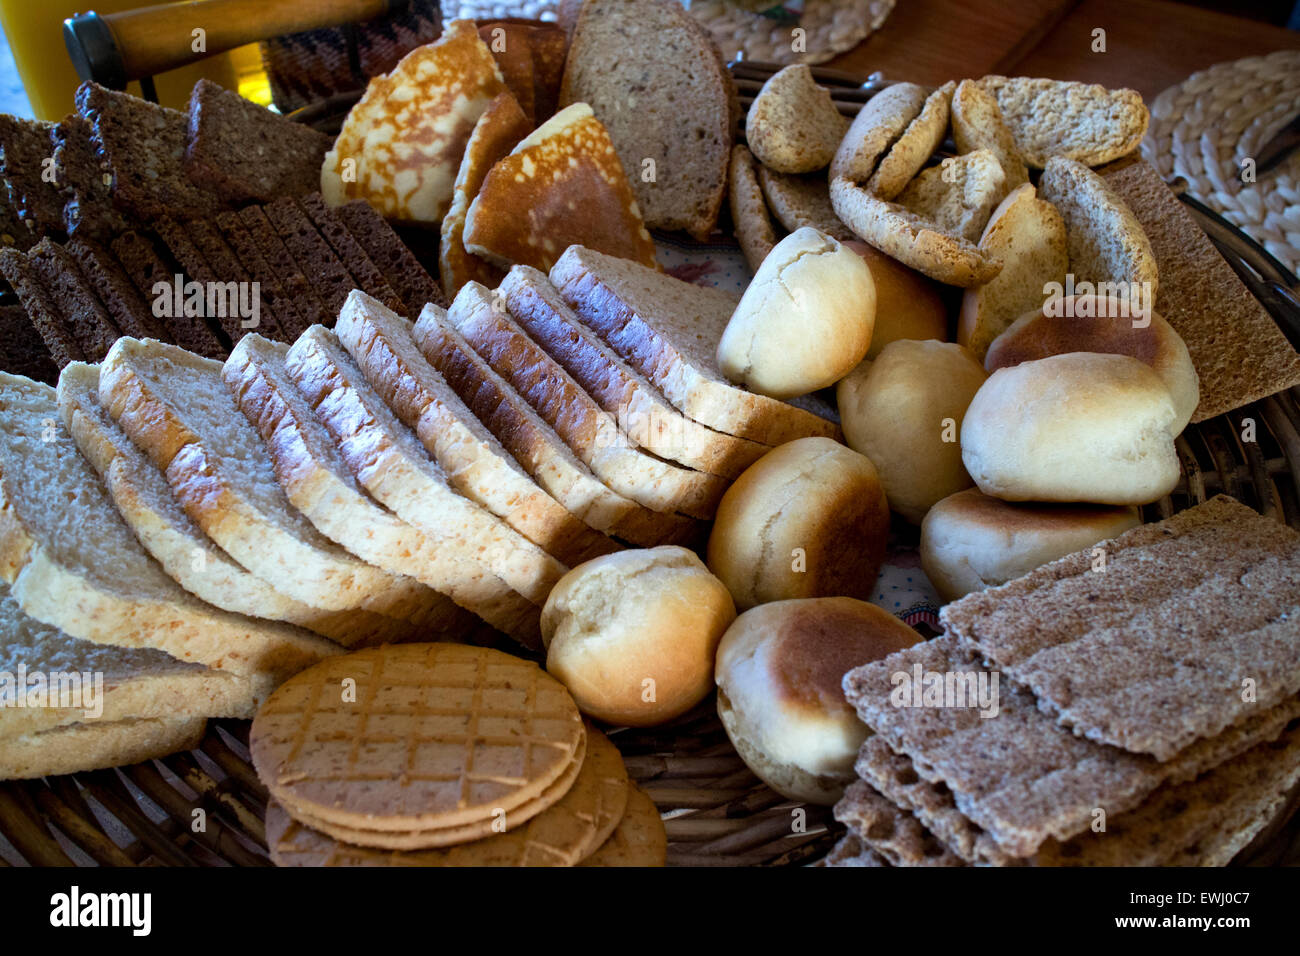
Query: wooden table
x,y
1150,44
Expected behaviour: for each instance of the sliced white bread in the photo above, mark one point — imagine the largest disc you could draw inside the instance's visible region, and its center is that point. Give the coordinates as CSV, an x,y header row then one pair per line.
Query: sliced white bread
x,y
83,681
668,330
533,443
175,407
577,418
322,485
77,748
641,410
1028,235
146,502
72,563
389,462
380,342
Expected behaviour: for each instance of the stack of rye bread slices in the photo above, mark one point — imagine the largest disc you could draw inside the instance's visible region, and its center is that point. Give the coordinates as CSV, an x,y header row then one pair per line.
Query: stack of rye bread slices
x,y
381,481
1130,705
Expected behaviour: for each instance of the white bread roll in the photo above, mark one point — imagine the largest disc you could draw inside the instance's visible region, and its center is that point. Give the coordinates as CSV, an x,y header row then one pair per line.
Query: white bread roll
x,y
808,519
805,320
898,411
908,304
1089,323
1075,427
970,541
779,674
632,635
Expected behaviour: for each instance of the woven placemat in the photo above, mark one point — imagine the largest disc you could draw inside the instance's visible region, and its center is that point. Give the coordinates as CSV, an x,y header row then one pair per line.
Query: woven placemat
x,y
1203,128
830,27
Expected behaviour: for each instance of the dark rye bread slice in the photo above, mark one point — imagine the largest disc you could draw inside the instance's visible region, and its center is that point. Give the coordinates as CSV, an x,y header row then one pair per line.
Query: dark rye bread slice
x,y
367,276
1094,646
196,267
1239,352
654,77
245,152
40,306
86,184
143,145
404,272
1019,775
22,349
536,446
146,269
251,235
668,330
83,313
26,153
329,276
228,267
115,290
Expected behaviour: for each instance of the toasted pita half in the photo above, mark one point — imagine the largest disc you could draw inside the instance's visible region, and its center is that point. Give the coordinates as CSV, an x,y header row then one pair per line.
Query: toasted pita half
x,y
977,124
915,147
958,195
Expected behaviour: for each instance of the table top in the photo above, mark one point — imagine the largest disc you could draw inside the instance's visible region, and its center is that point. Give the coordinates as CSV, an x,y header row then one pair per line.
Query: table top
x,y
1149,44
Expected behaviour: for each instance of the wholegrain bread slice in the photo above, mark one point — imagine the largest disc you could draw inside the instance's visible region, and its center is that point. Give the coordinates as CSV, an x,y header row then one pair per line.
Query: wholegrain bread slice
x,y
83,313
68,680
85,183
196,267
321,484
749,214
124,304
668,330
366,275
391,463
1240,354
792,126
289,312
26,147
381,343
404,272
228,267
1019,775
1106,241
80,747
313,255
23,350
71,562
959,194
308,298
878,125
41,309
1028,235
146,502
911,239
1080,121
977,124
640,409
593,434
1219,576
914,147
532,442
151,275
655,79
176,408
799,201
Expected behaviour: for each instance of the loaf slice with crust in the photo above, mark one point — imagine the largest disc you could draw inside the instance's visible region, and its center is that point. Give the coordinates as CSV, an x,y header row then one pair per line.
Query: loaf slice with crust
x,y
668,330
385,248
83,313
365,274
322,485
113,286
175,407
147,504
72,563
146,269
640,409
533,443
380,342
40,306
394,467
77,748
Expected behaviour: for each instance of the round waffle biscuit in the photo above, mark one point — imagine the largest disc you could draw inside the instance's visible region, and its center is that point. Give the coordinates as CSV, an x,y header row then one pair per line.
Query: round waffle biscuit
x,y
414,737
640,838
561,835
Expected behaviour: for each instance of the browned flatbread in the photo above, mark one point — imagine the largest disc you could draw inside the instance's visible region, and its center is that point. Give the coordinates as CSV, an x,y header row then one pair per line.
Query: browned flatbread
x,y
1190,616
1240,354
1020,776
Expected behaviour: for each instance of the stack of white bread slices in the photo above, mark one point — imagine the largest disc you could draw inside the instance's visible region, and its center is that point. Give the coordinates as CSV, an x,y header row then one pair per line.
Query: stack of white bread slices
x,y
192,533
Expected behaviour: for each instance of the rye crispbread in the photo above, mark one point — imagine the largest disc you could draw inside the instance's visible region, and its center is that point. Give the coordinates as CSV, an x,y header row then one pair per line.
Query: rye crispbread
x,y
1094,646
893,833
1239,353
799,201
1020,775
850,851
749,214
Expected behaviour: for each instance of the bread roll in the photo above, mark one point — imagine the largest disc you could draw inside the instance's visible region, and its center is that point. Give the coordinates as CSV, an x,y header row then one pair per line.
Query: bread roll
x,y
1089,323
908,305
904,412
808,519
632,635
1075,427
779,673
804,321
970,541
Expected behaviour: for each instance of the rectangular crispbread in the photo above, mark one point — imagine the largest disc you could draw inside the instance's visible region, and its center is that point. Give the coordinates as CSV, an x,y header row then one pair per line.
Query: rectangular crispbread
x,y
1240,354
891,832
1190,627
